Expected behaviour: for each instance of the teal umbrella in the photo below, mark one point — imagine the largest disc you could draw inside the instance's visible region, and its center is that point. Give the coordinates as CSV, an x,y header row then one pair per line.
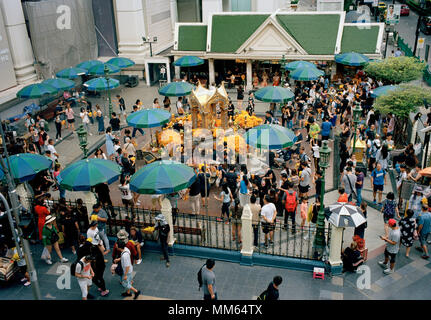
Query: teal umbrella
x,y
36,90
162,177
71,73
270,136
352,59
383,90
88,64
87,173
148,118
101,84
100,69
188,61
60,84
25,166
176,89
299,64
306,74
121,62
274,94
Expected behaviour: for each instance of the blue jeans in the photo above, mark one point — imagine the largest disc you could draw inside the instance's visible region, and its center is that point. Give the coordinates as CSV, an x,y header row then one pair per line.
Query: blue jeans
x,y
350,198
289,124
137,129
358,196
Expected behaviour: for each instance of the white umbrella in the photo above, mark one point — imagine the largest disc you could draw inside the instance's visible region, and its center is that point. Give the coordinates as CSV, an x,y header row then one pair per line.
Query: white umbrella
x,y
345,215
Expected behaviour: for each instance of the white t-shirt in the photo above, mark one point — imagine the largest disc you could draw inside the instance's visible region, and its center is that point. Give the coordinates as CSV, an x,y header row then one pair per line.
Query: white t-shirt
x,y
86,271
126,261
51,148
126,194
268,211
94,235
84,117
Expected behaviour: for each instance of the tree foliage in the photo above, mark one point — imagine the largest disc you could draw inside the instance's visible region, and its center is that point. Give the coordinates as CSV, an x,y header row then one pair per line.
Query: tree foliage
x,y
396,70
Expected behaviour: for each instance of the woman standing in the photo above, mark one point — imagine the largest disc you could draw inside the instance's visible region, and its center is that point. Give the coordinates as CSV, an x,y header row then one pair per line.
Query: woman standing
x,y
99,154
99,118
42,212
382,157
407,228
85,120
50,239
244,194
226,197
240,96
156,103
167,104
110,143
57,122
70,115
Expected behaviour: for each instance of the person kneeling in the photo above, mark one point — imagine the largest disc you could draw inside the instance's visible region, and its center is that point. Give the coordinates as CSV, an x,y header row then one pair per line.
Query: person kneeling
x,y
351,257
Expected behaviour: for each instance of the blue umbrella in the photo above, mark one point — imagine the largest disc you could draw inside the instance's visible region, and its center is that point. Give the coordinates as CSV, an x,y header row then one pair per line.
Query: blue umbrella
x,y
299,64
36,90
274,94
148,118
176,89
60,84
188,61
88,64
352,59
71,73
101,68
121,62
25,166
270,136
383,90
306,74
101,84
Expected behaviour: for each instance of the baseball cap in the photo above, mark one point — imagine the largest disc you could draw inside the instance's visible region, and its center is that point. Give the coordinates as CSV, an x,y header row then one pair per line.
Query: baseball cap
x,y
392,222
93,223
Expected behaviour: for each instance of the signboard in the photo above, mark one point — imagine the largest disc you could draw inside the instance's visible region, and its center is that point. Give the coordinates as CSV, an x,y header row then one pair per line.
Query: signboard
x,y
421,43
407,189
7,79
393,14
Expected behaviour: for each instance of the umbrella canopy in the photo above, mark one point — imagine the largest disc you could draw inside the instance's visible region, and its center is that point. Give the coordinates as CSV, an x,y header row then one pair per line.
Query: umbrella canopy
x,y
274,94
162,177
345,215
101,84
84,174
71,73
100,69
88,64
36,90
176,89
148,118
299,64
352,59
121,63
270,136
383,90
60,84
188,61
25,166
306,73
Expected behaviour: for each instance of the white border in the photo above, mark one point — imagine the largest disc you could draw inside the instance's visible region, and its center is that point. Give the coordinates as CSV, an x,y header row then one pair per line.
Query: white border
x,y
340,33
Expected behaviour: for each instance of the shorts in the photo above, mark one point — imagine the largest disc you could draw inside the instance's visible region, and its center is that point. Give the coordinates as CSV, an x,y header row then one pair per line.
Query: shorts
x,y
390,255
377,187
127,283
84,284
123,111
303,189
127,202
71,120
23,269
203,192
423,239
267,227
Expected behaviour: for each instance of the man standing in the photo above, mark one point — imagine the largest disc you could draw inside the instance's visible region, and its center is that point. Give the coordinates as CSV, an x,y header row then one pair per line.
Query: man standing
x,y
135,109
392,247
122,106
195,193
163,227
51,148
290,201
359,185
208,280
115,124
424,228
102,218
378,180
349,180
304,183
85,274
127,266
268,213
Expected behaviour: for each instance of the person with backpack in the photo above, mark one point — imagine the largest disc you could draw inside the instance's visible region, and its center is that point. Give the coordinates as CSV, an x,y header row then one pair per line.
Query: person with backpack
x,y
290,201
127,271
163,227
389,209
206,279
271,293
84,272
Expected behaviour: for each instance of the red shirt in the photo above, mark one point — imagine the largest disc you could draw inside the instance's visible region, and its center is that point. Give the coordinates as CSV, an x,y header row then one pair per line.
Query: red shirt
x,y
343,198
130,246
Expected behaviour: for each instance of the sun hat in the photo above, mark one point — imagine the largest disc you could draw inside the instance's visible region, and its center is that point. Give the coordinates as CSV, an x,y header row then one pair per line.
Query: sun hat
x,y
49,219
122,235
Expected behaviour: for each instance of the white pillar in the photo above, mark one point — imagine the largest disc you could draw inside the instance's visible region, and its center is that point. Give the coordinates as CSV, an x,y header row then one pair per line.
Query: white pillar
x,y
414,131
167,212
89,201
131,29
249,76
211,72
174,14
335,246
24,195
19,42
147,74
168,72
247,232
333,69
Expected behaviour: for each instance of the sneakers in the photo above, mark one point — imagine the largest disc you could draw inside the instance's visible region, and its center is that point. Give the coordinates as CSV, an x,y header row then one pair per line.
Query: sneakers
x,y
48,261
167,264
138,203
139,261
64,260
137,293
27,283
425,257
388,271
104,293
382,264
125,294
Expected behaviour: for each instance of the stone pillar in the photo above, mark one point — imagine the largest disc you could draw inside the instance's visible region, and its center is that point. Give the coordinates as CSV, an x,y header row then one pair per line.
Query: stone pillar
x,y
333,70
147,74
335,246
249,76
247,236
211,77
24,195
167,212
19,42
89,201
168,72
131,29
174,13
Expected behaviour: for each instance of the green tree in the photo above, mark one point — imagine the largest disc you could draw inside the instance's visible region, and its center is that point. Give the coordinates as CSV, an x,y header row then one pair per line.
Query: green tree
x,y
396,70
401,102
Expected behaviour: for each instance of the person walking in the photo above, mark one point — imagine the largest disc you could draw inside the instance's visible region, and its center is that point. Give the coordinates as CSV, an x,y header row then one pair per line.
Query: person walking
x,y
99,118
226,198
389,209
359,185
57,121
272,293
84,272
122,106
407,229
290,202
208,280
85,120
70,115
378,180
163,227
349,180
392,247
50,239
102,218
127,277
268,214
109,143
424,228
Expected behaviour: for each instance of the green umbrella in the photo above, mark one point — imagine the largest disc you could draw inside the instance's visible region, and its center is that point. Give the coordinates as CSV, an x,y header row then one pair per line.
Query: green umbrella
x,y
87,173
60,84
352,59
88,64
121,62
383,90
36,90
103,69
25,166
101,84
298,64
176,89
270,136
148,118
306,74
162,177
71,73
188,61
274,94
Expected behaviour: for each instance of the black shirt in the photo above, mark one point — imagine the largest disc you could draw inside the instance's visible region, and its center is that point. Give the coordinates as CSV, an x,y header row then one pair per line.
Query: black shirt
x,y
195,188
115,124
122,103
272,293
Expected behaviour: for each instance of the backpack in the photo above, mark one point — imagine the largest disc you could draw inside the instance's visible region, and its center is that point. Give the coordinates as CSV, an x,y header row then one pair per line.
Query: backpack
x,y
200,281
73,267
119,268
263,295
290,201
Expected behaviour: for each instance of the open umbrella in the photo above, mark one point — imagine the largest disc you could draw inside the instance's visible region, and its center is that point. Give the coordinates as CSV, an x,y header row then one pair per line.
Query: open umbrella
x,y
383,90
162,177
88,64
36,90
25,166
306,73
101,84
71,73
345,215
100,69
299,64
176,89
87,173
60,84
352,59
148,118
188,61
274,94
270,136
121,62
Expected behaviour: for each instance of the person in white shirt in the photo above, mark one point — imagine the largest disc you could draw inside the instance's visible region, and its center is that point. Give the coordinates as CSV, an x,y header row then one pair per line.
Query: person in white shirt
x,y
85,274
126,194
85,120
126,263
268,214
51,148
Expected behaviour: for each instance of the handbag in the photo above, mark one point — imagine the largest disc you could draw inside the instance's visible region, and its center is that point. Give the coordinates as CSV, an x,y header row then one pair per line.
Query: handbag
x,y
350,184
54,237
